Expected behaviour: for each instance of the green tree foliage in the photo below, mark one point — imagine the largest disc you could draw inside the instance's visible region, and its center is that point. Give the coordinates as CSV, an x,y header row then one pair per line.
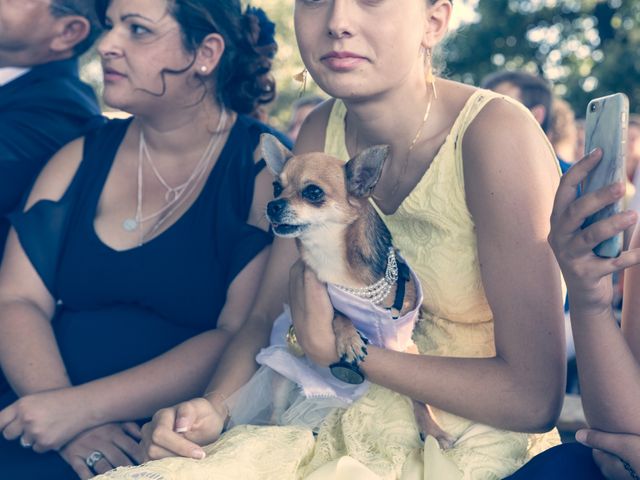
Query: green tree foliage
x,y
587,48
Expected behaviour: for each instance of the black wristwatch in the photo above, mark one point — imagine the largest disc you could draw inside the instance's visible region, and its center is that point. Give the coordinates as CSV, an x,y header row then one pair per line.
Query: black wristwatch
x,y
348,372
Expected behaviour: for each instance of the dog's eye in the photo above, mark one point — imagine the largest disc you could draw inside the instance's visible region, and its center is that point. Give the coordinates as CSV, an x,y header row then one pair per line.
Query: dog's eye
x,y
313,193
277,189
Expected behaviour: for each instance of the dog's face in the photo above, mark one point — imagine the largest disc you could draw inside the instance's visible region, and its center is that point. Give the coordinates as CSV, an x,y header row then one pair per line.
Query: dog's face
x,y
314,191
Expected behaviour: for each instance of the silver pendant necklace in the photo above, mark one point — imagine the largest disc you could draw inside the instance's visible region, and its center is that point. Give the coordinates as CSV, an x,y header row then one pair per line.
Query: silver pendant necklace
x,y
174,195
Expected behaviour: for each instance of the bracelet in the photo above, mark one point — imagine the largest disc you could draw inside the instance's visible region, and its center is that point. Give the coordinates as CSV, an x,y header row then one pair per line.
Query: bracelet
x,y
222,400
630,470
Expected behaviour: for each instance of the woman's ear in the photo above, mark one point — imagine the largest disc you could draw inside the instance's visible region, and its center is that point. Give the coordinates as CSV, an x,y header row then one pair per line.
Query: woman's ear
x,y
209,54
70,31
437,20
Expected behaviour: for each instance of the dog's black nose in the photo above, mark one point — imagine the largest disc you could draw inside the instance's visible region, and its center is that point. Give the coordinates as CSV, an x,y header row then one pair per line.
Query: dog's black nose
x,y
275,207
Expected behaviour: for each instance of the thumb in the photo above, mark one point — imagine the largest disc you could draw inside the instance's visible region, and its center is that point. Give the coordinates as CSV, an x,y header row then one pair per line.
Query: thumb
x,y
185,418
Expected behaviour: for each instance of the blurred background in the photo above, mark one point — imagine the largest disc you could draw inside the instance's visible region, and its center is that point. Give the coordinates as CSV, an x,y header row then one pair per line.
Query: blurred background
x,y
586,48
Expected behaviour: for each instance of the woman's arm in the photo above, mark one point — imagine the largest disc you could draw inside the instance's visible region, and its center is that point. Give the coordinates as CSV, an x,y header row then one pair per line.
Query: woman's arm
x,y
29,354
509,186
609,370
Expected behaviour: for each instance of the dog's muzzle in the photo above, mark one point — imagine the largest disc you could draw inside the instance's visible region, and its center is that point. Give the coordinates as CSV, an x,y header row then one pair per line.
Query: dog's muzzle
x,y
276,209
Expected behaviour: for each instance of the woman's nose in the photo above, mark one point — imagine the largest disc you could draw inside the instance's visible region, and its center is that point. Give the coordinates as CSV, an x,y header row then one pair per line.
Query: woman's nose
x,y
108,45
339,24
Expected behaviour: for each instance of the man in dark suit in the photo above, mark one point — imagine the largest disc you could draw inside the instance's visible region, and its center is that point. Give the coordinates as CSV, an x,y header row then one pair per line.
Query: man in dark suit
x,y
43,103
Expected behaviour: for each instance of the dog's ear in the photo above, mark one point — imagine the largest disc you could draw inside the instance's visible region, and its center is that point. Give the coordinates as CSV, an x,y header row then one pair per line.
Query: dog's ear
x,y
274,153
363,171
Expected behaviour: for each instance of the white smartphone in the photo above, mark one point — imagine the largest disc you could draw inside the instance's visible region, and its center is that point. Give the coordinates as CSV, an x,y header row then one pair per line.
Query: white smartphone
x,y
606,127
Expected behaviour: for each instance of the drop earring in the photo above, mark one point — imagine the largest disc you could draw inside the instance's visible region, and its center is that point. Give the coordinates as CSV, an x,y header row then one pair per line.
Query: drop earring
x,y
429,76
302,78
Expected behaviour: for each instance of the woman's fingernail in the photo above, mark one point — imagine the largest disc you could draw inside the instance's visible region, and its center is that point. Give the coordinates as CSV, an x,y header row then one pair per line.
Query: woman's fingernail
x,y
199,454
581,436
181,427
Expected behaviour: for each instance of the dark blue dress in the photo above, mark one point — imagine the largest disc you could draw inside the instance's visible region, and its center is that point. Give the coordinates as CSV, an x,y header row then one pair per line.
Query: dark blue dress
x,y
118,309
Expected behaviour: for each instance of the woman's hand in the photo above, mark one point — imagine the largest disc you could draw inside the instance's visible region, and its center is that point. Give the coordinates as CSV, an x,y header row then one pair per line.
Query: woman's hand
x,y
312,315
183,429
611,451
117,442
46,420
587,275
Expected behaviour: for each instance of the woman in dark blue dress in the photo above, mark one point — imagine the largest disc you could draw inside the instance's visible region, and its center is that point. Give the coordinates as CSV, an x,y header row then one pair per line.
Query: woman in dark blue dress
x,y
138,252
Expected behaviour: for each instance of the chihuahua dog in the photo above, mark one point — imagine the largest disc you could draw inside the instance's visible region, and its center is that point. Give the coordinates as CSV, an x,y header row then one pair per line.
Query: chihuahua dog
x,y
324,204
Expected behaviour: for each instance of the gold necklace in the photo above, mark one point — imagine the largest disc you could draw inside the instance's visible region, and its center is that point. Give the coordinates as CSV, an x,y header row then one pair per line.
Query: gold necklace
x,y
416,137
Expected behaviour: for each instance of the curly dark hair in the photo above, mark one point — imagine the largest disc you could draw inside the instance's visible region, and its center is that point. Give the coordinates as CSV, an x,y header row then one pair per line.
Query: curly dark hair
x,y
243,79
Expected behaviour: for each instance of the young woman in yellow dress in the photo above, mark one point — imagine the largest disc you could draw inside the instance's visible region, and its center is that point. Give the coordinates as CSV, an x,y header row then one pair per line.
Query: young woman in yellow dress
x,y
467,195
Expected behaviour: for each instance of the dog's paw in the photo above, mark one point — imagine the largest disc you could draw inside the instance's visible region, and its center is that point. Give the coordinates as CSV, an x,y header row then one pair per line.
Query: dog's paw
x,y
350,345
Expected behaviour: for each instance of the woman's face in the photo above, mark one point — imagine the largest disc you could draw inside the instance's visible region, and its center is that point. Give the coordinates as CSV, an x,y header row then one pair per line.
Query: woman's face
x,y
360,48
142,40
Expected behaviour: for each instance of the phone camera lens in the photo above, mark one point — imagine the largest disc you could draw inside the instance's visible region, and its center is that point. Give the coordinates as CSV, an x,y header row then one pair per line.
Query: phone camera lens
x,y
594,107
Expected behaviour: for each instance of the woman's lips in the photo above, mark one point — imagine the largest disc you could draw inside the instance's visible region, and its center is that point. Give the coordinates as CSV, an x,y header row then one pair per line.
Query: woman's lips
x,y
111,75
342,61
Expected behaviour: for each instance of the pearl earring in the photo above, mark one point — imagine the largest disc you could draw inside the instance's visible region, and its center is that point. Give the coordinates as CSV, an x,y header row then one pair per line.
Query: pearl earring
x,y
203,69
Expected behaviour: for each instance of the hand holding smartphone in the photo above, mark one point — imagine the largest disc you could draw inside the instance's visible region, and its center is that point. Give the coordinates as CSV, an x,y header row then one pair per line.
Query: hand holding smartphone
x,y
606,128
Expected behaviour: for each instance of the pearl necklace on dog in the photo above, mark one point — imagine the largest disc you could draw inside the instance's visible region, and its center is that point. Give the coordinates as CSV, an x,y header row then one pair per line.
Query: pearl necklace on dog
x,y
173,195
377,292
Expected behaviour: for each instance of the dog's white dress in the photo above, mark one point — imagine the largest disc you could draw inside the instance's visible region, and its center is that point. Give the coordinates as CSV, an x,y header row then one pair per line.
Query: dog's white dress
x,y
316,391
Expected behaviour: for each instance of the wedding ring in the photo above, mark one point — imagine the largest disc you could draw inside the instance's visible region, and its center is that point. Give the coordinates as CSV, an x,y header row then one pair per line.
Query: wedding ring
x,y
93,458
24,443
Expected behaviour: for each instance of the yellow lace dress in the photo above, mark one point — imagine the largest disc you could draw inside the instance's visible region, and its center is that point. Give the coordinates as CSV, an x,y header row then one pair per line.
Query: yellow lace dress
x,y
376,438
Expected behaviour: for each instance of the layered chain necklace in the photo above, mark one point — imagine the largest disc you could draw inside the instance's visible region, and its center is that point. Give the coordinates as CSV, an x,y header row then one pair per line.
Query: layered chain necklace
x,y
174,196
377,292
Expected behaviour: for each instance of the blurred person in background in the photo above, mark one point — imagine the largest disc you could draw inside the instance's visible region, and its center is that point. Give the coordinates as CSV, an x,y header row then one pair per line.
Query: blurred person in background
x,y
299,111
563,131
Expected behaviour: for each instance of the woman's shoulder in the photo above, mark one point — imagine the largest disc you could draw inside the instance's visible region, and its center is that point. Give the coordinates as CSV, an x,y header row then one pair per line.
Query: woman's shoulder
x,y
56,176
499,122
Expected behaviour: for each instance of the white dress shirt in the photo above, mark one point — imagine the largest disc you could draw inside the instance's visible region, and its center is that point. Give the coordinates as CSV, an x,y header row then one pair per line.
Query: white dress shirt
x,y
9,74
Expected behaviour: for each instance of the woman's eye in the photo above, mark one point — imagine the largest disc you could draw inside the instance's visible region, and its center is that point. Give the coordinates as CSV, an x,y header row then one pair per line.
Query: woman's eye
x,y
139,30
277,189
313,193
